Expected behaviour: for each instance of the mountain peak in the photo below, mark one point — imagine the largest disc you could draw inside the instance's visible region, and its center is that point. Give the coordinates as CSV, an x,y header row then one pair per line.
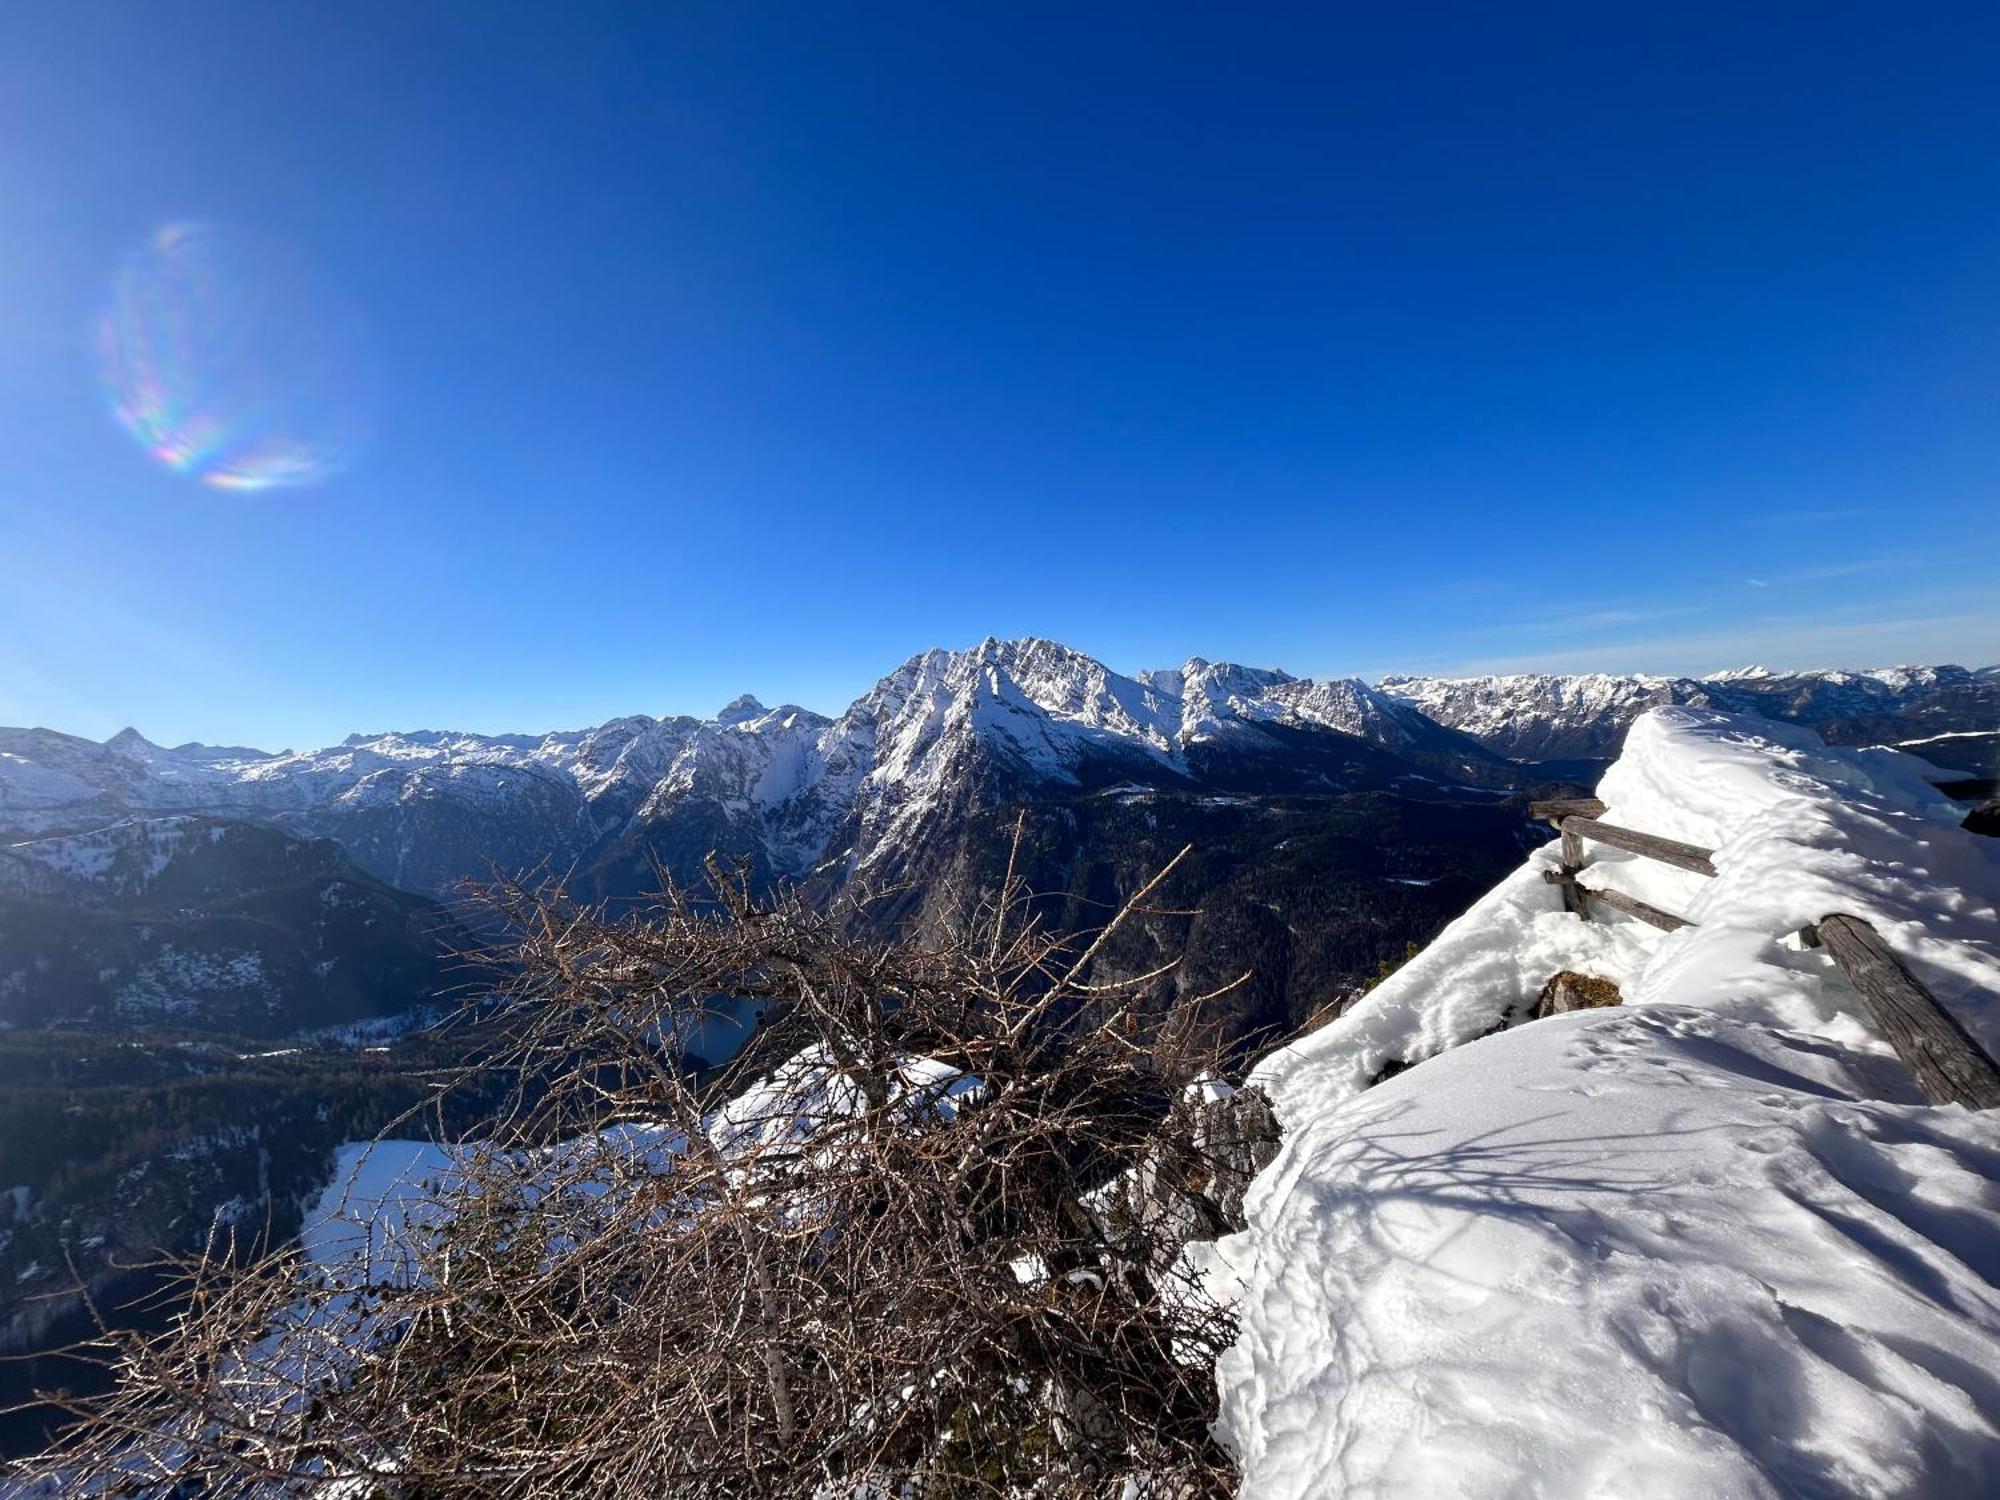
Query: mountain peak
x,y
1029,649
739,710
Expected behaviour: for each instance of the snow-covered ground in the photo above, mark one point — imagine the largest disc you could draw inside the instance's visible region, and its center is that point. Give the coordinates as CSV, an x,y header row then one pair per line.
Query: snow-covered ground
x,y
1709,1244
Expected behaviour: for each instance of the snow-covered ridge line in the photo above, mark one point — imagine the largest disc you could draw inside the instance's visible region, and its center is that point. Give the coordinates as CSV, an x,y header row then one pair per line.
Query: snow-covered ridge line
x,y
1707,1242
1159,711
1798,830
132,853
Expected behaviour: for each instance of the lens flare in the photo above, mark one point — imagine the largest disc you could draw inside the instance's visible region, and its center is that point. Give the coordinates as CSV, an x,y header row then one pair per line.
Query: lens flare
x,y
226,363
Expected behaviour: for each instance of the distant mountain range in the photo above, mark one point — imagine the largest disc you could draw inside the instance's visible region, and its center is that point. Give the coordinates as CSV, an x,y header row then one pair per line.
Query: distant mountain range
x,y
901,792
1540,717
798,792
804,794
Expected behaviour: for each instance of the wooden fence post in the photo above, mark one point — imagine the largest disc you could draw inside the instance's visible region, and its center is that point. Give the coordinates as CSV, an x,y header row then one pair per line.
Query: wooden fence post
x,y
1572,865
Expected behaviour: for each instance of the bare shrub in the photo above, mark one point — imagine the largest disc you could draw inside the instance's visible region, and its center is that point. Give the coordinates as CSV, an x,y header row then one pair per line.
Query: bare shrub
x,y
892,1248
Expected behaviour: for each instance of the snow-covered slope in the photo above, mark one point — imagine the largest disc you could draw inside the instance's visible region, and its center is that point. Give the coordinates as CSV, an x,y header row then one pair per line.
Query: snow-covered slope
x,y
1707,1243
119,860
1632,1252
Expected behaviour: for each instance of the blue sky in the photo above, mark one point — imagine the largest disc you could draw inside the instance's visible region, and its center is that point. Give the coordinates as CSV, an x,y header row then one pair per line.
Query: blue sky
x,y
754,347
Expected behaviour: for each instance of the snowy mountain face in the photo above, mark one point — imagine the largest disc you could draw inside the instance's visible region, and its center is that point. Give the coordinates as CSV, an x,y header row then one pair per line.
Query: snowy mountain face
x,y
421,810
1853,708
1536,717
1530,716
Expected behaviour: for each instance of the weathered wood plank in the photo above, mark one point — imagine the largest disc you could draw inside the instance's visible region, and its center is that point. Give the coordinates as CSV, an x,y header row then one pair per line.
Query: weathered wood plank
x,y
1572,898
1555,809
1950,1066
1667,851
1632,906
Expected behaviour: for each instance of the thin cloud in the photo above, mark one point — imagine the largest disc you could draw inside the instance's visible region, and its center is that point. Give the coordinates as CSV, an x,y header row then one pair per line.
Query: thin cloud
x,y
1970,639
1590,616
1811,516
1823,574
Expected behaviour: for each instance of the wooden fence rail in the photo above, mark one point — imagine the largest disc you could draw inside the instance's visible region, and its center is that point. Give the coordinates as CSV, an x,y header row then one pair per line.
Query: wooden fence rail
x,y
1950,1066
1632,906
1556,809
1666,851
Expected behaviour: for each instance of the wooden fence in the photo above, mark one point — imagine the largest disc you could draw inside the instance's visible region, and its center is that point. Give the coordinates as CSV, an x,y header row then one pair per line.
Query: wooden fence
x,y
1950,1066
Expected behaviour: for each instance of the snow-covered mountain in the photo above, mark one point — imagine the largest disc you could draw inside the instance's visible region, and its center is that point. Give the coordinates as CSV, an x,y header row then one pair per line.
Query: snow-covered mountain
x,y
1538,716
789,788
945,734
1541,716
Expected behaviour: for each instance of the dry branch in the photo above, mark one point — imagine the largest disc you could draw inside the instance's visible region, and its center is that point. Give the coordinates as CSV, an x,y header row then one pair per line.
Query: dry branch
x,y
920,1234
